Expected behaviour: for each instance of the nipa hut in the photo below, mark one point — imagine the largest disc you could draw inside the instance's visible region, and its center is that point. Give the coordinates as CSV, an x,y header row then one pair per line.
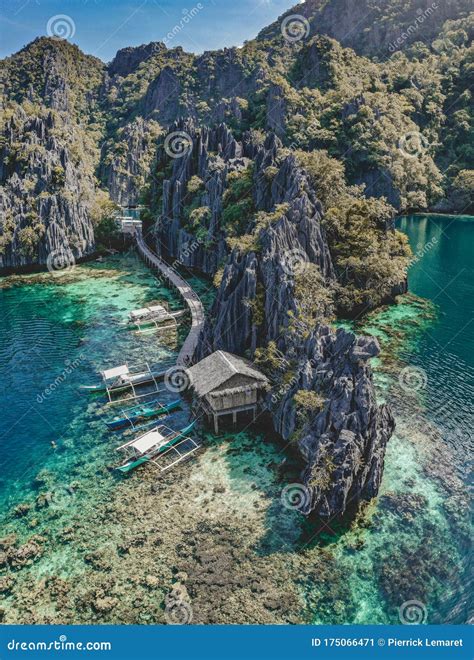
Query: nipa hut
x,y
225,384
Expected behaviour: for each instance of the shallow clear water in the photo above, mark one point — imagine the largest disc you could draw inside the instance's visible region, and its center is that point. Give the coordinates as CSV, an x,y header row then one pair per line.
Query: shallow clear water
x,y
57,333
412,543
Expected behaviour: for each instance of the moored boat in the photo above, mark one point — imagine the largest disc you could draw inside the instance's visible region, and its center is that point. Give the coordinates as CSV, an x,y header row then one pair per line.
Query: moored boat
x,y
148,446
155,316
130,416
121,378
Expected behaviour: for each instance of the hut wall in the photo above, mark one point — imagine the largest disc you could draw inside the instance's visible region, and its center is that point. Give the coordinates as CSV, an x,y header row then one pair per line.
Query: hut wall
x,y
229,400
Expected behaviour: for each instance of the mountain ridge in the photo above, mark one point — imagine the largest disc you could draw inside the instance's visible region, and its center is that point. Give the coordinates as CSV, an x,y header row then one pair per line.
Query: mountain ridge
x,y
310,90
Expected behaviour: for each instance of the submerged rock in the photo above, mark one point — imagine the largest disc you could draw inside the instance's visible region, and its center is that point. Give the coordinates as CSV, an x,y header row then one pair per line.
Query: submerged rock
x,y
22,510
25,554
104,605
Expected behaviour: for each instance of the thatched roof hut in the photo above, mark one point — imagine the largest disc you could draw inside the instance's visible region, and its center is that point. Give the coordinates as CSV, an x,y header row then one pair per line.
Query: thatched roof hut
x,y
225,383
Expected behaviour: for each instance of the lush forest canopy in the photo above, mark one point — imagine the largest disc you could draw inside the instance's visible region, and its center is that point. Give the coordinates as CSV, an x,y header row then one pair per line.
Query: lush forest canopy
x,y
383,127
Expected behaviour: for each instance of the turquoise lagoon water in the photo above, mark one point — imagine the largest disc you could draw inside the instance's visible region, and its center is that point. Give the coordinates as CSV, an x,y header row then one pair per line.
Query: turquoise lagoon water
x,y
443,273
411,544
56,333
418,546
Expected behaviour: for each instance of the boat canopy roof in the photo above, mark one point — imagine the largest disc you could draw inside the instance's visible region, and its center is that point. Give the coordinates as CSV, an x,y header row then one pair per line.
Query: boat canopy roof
x,y
154,310
147,441
115,372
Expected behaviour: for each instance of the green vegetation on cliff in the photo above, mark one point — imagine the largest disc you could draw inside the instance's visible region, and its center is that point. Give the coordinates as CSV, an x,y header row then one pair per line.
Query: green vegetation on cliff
x,y
392,117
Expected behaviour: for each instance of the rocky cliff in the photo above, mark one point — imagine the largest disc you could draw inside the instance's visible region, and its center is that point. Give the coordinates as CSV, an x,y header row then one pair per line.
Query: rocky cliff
x,y
47,156
126,160
44,194
209,156
341,444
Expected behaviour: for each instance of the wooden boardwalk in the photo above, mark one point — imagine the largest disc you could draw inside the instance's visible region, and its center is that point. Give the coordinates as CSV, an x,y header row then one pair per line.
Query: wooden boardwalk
x,y
190,297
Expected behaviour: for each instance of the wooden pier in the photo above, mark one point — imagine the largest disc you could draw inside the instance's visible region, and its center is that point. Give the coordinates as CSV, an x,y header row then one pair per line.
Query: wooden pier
x,y
189,296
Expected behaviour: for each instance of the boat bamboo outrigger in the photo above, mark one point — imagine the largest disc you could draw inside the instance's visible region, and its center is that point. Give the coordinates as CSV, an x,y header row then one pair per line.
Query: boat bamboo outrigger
x,y
120,379
130,416
147,447
156,317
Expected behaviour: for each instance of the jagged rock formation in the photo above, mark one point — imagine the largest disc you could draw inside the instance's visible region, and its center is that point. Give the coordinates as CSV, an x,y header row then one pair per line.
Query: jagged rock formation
x,y
46,158
127,60
43,219
126,160
162,97
206,251
342,446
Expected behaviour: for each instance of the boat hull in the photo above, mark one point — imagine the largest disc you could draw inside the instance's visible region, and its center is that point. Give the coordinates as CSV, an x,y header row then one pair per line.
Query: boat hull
x,y
128,467
128,421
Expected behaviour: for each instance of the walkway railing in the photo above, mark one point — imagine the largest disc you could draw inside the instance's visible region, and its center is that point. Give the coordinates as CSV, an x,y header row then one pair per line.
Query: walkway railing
x,y
190,297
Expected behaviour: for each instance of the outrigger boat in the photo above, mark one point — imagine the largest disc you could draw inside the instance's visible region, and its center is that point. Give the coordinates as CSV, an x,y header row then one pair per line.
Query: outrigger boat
x,y
121,378
156,317
150,445
144,411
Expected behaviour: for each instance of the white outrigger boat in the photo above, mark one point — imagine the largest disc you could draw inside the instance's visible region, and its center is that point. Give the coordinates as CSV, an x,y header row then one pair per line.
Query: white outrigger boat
x,y
121,378
150,445
155,317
